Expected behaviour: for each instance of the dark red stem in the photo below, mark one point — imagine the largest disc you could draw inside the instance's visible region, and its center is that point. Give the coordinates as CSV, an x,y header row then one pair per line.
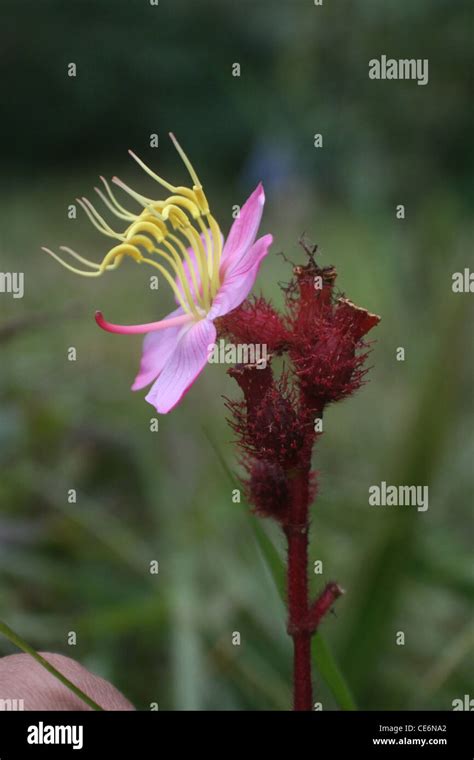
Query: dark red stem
x,y
297,535
303,618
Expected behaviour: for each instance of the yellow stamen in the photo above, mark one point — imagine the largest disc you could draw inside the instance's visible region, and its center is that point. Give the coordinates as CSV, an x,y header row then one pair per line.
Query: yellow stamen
x,y
170,280
142,199
196,244
186,203
176,216
96,219
120,214
174,239
114,200
201,199
190,268
96,273
186,191
217,250
83,260
178,267
146,226
209,257
175,261
162,228
185,161
143,241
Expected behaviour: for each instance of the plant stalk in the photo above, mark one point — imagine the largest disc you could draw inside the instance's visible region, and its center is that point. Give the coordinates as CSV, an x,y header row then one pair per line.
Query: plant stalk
x,y
297,589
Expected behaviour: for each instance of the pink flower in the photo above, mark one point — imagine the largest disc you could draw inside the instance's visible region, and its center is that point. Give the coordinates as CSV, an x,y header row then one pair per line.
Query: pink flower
x,y
176,349
210,278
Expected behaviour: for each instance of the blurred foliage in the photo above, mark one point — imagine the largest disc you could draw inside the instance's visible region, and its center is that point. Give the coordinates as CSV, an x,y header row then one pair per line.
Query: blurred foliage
x,y
143,496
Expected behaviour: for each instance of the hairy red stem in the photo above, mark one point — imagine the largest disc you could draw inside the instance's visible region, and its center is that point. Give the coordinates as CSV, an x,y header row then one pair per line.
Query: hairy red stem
x,y
297,535
322,605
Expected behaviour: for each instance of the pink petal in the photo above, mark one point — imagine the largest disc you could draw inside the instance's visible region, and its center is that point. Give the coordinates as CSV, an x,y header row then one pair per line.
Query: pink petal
x,y
183,366
157,349
244,230
240,278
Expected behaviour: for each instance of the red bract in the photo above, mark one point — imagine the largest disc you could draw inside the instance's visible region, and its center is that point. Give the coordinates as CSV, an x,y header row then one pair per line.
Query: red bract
x,y
268,424
326,337
255,321
308,298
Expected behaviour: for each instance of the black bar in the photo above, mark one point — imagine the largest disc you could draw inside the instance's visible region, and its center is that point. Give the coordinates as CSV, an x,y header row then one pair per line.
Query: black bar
x,y
317,735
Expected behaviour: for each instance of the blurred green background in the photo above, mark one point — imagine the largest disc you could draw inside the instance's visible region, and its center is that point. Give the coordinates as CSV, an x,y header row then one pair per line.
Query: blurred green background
x,y
166,495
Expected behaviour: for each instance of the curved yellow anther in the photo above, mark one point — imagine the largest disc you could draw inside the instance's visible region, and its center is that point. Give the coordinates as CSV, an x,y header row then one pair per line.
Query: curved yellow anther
x,y
176,216
124,249
201,199
142,240
154,218
188,204
149,227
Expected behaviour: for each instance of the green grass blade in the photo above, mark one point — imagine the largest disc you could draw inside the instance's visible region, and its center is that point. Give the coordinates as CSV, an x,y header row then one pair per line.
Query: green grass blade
x,y
270,556
22,644
331,673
